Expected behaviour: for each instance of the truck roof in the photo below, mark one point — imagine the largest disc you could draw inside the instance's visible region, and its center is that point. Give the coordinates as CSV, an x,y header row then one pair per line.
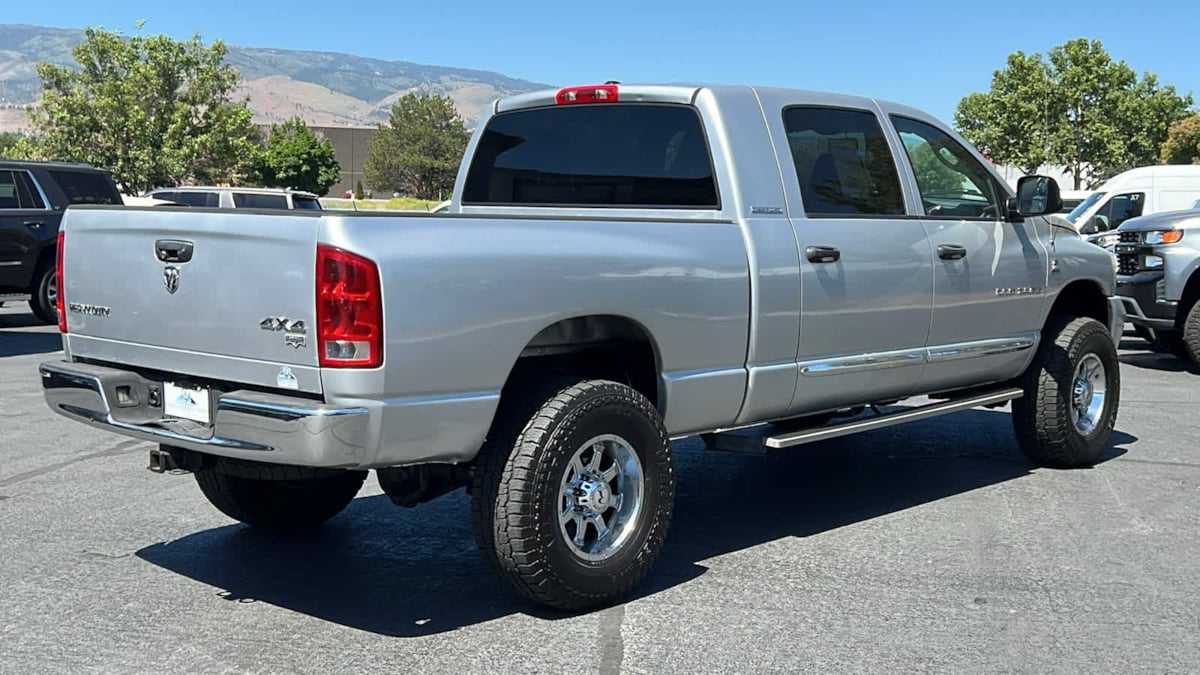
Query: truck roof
x,y
681,92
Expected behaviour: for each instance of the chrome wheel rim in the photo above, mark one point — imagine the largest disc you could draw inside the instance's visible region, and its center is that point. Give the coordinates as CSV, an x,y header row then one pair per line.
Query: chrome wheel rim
x,y
1089,390
600,497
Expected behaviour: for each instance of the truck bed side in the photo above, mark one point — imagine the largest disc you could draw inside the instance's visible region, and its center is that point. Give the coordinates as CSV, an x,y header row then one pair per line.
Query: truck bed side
x,y
465,295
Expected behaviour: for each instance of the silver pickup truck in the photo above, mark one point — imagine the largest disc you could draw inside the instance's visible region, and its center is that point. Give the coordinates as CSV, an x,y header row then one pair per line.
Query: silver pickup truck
x,y
1158,278
621,266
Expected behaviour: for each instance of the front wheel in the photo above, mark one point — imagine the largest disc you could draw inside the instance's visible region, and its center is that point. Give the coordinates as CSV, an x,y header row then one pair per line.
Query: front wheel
x,y
574,493
1190,335
1072,392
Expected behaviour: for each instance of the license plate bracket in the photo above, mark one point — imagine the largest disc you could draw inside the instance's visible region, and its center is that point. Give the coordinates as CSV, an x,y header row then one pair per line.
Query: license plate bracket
x,y
187,401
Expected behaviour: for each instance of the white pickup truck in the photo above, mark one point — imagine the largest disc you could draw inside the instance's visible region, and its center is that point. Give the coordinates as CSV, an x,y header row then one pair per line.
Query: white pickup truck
x,y
620,266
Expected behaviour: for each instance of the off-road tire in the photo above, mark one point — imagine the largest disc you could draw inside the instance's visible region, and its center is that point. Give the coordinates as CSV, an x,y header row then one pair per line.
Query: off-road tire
x,y
280,504
45,309
516,496
1190,337
1042,416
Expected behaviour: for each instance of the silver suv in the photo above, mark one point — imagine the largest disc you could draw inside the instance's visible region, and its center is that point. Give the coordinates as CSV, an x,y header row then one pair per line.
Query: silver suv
x,y
238,197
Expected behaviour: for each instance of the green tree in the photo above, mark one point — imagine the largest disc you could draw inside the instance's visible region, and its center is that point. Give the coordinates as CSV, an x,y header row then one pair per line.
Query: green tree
x,y
153,110
1183,142
296,158
419,150
1010,123
1077,109
8,140
24,147
358,190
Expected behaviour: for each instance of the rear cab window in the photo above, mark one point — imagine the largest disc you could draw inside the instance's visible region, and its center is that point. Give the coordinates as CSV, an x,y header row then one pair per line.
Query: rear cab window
x,y
85,187
843,162
301,202
594,155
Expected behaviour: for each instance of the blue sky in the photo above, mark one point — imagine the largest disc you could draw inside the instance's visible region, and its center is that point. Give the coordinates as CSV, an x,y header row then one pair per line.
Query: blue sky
x,y
924,53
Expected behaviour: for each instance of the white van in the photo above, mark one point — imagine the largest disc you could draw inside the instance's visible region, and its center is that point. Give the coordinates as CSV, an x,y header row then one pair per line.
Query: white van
x,y
1073,198
1137,192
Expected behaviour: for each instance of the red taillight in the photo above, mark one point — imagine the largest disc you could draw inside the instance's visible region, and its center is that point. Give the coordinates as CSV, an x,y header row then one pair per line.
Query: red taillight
x,y
349,310
598,93
60,303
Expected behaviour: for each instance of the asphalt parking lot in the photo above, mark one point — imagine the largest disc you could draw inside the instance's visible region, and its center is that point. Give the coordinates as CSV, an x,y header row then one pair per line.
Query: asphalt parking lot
x,y
928,547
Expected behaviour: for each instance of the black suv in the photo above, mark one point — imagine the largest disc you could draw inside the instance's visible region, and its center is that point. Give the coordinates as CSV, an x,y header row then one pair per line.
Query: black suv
x,y
33,196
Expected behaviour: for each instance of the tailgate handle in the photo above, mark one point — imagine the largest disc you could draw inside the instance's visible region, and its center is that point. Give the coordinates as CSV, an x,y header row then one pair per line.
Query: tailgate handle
x,y
173,250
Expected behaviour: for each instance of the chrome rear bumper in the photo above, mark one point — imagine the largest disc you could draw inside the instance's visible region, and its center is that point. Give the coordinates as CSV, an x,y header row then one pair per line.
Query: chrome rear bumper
x,y
245,424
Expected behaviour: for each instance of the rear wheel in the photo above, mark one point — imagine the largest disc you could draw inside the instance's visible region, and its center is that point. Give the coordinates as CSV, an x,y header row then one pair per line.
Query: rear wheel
x,y
1072,392
44,299
280,504
574,493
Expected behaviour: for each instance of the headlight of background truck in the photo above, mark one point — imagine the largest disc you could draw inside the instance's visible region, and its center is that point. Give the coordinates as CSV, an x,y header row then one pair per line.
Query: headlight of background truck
x,y
1162,237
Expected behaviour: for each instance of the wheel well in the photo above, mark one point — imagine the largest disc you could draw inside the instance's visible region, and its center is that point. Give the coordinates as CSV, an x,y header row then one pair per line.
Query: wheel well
x,y
603,347
46,257
1082,298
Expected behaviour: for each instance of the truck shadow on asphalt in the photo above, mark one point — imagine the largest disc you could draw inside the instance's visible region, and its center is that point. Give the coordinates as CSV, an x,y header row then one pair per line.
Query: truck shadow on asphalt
x,y
407,573
1138,353
1167,363
20,343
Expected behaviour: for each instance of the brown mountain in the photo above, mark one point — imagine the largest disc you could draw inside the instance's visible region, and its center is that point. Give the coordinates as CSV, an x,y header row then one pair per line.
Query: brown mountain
x,y
323,88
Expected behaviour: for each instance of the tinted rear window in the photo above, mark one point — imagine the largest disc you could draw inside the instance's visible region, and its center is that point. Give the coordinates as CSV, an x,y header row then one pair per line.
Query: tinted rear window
x,y
87,188
842,162
306,203
18,192
244,200
608,154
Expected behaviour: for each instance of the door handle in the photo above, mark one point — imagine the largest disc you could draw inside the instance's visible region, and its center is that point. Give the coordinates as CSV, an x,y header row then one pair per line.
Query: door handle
x,y
951,251
173,250
33,223
822,254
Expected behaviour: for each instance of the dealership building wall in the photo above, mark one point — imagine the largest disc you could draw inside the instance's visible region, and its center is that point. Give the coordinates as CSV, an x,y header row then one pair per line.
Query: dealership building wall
x,y
350,147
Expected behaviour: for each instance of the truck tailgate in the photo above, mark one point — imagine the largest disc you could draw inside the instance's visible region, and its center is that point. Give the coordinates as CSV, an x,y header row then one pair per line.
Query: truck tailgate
x,y
219,294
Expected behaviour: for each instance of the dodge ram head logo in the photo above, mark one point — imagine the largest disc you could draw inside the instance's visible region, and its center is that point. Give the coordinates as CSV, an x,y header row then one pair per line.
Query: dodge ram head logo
x,y
171,278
